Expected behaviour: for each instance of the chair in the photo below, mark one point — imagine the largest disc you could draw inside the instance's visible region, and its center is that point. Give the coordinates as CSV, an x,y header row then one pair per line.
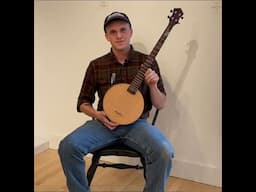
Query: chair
x,y
116,149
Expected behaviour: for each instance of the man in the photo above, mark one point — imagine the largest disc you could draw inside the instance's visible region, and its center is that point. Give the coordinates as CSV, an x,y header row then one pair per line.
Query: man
x,y
124,62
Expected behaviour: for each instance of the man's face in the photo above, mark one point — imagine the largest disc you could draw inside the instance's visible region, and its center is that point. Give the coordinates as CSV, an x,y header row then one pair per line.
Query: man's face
x,y
119,33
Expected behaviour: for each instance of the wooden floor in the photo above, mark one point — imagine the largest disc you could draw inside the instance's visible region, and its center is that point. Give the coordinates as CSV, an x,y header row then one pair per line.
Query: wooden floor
x,y
49,177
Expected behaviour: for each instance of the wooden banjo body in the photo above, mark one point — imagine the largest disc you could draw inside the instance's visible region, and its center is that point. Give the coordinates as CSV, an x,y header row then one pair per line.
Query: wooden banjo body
x,y
123,103
122,106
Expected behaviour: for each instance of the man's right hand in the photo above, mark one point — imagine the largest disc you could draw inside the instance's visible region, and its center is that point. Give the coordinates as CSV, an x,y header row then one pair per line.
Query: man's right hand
x,y
101,116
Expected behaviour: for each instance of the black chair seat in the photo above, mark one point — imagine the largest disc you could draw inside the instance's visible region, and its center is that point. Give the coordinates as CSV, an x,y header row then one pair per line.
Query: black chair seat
x,y
118,149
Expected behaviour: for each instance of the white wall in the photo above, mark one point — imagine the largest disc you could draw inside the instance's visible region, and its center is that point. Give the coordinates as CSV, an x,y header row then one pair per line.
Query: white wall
x,y
68,34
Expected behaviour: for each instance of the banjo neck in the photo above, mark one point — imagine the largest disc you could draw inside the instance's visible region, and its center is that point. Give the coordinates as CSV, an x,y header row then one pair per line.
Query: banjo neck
x,y
139,78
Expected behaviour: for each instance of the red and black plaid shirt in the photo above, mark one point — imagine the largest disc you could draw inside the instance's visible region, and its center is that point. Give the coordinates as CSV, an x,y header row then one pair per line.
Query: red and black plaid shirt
x,y
98,78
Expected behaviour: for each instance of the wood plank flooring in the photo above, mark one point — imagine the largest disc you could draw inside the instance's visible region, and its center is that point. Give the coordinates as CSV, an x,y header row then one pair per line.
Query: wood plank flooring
x,y
49,177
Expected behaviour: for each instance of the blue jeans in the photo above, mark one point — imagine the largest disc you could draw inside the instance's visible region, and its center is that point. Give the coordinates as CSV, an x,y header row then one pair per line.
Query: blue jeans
x,y
141,135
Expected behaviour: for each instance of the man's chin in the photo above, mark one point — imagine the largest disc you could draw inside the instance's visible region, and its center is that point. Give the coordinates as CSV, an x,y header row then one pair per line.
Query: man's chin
x,y
121,47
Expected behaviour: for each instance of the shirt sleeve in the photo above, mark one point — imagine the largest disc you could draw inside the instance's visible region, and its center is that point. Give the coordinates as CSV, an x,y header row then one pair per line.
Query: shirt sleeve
x,y
160,83
88,89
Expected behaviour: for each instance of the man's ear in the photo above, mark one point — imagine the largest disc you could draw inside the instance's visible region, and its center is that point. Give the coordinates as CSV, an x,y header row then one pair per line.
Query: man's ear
x,y
106,36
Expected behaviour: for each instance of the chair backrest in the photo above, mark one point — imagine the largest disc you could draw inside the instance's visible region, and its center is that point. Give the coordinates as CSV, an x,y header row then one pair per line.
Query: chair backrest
x,y
155,117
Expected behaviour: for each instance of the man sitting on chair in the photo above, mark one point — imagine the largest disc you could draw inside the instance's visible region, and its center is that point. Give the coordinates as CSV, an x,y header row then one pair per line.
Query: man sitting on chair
x,y
124,62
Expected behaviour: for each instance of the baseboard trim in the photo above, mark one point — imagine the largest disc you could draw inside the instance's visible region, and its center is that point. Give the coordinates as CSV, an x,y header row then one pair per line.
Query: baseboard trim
x,y
40,145
202,173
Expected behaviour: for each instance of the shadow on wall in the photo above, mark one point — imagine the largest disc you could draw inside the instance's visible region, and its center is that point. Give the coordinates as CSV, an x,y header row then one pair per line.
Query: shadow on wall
x,y
174,110
191,55
140,47
174,120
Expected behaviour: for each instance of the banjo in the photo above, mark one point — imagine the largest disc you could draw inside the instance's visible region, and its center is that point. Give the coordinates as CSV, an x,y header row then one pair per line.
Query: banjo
x,y
123,103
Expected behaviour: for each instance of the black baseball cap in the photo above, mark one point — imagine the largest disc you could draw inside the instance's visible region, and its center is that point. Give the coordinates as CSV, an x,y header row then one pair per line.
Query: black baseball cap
x,y
116,16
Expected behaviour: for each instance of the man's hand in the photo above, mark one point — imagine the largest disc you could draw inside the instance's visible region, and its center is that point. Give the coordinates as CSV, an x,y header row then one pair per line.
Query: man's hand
x,y
101,116
151,77
157,97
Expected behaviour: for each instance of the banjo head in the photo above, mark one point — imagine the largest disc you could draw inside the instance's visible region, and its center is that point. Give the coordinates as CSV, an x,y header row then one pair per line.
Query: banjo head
x,y
121,106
